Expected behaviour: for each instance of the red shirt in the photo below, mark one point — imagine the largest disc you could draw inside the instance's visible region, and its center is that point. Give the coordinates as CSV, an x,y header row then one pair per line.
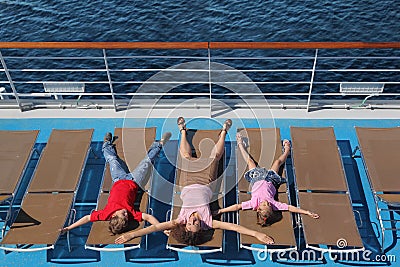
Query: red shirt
x,y
122,196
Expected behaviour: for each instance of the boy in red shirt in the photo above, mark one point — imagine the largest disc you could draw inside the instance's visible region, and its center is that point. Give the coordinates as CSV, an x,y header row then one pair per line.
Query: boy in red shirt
x,y
120,204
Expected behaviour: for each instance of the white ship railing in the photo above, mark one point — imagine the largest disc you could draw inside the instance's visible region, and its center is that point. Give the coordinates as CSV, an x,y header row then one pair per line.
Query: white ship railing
x,y
96,75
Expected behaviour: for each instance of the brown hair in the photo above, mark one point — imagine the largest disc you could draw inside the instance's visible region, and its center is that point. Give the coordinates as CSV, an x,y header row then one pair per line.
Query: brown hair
x,y
117,225
180,233
269,218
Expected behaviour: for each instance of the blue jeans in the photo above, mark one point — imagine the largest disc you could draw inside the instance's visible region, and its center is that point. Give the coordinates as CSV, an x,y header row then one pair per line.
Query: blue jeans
x,y
119,170
259,174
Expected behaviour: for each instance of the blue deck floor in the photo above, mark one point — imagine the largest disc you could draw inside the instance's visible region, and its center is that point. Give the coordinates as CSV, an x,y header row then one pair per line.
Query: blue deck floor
x,y
156,254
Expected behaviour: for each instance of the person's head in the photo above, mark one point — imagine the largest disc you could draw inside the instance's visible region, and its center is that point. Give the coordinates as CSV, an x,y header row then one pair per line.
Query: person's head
x,y
264,212
118,222
183,235
193,224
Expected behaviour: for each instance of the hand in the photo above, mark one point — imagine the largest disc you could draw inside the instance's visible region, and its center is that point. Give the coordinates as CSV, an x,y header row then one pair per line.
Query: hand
x,y
264,238
313,215
63,230
123,238
167,232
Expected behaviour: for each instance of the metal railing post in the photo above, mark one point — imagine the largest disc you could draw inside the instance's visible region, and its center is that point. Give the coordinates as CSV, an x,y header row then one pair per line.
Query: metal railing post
x,y
3,63
209,79
312,80
109,79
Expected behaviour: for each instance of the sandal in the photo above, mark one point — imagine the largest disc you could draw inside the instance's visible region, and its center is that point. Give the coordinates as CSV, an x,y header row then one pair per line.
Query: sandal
x,y
181,124
227,125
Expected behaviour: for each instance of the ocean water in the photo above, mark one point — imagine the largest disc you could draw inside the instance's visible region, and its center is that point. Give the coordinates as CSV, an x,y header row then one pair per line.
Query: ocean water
x,y
180,20
233,20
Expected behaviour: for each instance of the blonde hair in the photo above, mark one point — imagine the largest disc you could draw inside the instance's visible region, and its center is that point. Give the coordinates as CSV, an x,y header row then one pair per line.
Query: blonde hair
x,y
117,225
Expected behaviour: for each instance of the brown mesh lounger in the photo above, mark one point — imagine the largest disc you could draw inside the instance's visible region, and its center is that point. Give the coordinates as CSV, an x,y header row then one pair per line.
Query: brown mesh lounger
x,y
379,149
203,142
132,145
322,188
51,193
15,153
264,147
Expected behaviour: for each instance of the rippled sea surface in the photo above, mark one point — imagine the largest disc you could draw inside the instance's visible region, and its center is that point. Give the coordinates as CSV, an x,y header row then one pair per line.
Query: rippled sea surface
x,y
179,20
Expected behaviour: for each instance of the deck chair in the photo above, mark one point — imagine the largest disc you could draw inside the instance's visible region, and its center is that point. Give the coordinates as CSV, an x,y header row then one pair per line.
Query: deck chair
x,y
15,152
322,187
379,148
202,142
51,193
132,145
264,147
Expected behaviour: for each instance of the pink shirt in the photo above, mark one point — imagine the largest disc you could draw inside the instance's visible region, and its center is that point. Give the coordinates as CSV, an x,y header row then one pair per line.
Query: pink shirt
x,y
263,191
196,198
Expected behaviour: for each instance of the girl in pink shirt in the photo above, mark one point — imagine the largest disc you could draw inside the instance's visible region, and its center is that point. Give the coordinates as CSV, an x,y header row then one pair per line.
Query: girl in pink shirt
x,y
197,177
265,184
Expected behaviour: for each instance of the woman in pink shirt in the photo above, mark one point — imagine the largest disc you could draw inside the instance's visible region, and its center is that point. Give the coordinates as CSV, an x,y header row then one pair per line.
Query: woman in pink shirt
x,y
264,184
198,176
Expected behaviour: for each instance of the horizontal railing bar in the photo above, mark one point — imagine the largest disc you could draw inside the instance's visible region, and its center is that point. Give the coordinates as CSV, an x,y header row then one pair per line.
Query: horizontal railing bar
x,y
104,45
304,57
188,94
203,70
101,58
55,70
158,82
356,70
356,82
199,82
350,57
199,45
199,57
303,45
152,70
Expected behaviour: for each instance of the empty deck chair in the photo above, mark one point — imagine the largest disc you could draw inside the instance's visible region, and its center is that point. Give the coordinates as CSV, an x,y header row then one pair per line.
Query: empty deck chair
x,y
322,187
264,147
132,145
379,150
15,153
203,142
51,193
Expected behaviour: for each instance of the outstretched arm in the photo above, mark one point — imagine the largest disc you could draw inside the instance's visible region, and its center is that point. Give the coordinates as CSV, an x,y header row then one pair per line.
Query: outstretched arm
x,y
150,218
234,207
145,231
301,211
243,230
81,221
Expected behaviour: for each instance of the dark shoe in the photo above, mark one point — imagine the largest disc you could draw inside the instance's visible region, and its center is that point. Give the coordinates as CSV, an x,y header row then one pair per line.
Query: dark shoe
x,y
227,125
181,124
108,137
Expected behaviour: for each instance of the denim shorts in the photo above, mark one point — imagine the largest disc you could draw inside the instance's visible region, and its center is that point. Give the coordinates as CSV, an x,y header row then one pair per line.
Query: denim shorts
x,y
260,174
